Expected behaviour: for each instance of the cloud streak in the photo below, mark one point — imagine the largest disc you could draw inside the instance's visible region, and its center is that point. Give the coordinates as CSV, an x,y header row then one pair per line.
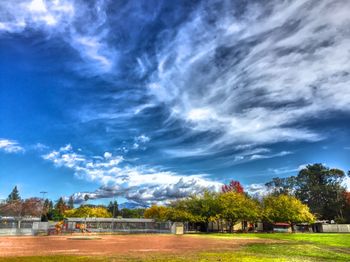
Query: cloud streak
x,y
256,76
67,20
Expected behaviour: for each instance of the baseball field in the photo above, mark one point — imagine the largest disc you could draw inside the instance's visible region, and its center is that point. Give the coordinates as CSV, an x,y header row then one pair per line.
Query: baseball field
x,y
199,247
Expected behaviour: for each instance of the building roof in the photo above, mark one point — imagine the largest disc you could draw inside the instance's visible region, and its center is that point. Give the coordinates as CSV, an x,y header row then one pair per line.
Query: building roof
x,y
282,224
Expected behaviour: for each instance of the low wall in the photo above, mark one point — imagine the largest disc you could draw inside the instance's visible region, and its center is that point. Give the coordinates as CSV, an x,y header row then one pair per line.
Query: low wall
x,y
16,231
41,226
336,228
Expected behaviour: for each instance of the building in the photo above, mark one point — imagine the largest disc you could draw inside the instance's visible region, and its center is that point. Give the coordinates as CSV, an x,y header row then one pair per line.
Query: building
x,y
19,226
126,225
323,227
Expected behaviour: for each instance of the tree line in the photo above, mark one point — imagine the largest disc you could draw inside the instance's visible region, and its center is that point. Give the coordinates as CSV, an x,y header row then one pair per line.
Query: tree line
x,y
315,193
15,206
232,205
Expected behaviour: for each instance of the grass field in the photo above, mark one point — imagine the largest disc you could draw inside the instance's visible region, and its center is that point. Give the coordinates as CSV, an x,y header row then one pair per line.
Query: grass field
x,y
263,247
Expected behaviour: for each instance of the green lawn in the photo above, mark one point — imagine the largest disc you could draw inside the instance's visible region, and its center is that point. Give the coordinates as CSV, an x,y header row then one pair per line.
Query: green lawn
x,y
337,240
294,247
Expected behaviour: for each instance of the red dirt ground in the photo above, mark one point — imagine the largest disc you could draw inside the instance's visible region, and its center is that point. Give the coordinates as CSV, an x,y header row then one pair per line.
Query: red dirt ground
x,y
117,244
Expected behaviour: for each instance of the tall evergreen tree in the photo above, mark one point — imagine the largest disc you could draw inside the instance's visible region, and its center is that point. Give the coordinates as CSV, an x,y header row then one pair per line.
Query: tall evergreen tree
x,y
14,195
71,202
61,206
50,205
50,212
45,210
113,208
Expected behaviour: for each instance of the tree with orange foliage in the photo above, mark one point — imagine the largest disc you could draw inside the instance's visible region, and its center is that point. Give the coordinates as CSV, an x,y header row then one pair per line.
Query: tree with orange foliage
x,y
233,186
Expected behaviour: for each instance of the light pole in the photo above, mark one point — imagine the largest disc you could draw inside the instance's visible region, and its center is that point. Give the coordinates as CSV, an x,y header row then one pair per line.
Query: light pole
x,y
43,193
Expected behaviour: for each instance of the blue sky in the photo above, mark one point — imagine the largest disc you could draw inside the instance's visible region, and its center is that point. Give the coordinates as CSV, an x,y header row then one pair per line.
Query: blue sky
x,y
154,100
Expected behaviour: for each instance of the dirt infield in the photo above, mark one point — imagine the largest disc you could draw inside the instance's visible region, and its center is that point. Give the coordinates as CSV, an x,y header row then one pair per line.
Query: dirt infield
x,y
115,245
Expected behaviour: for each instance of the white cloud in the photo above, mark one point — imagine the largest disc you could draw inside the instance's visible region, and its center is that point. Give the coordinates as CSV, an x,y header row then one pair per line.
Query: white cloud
x,y
142,139
258,153
107,155
10,146
260,156
64,18
259,78
65,157
40,147
140,142
200,114
346,183
258,190
138,183
283,170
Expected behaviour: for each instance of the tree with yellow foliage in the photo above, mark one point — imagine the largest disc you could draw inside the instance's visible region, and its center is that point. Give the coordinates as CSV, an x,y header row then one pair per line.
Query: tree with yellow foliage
x,y
286,208
238,207
86,211
156,212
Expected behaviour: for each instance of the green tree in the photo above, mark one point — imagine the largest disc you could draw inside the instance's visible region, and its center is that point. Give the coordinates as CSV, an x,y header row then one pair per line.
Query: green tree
x,y
113,208
71,202
132,213
198,208
86,197
14,195
287,209
45,211
237,207
50,211
317,186
46,206
321,189
60,206
282,186
180,215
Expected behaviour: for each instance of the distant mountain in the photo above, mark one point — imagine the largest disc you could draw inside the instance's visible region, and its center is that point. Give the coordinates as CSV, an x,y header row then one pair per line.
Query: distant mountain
x,y
131,205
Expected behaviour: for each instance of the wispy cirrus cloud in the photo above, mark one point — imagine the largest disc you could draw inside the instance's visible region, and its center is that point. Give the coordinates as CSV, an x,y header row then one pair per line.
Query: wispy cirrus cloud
x,y
258,153
66,20
138,183
257,75
286,170
241,73
10,146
